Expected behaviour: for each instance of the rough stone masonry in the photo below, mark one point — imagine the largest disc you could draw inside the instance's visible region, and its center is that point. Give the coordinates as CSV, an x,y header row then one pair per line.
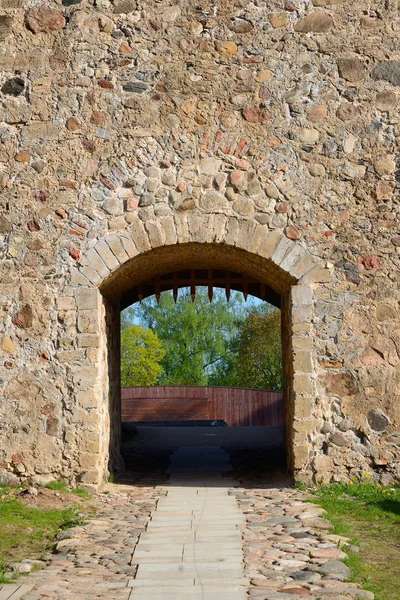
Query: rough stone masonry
x,y
137,136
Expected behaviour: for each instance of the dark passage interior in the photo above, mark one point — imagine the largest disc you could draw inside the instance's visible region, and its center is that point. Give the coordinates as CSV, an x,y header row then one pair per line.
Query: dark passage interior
x,y
257,454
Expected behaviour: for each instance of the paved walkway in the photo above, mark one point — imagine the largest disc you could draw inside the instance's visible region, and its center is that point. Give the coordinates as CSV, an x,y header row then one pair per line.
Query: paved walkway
x,y
192,547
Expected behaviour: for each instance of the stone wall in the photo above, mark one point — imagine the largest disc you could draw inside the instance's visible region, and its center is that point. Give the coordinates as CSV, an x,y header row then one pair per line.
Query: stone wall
x,y
137,136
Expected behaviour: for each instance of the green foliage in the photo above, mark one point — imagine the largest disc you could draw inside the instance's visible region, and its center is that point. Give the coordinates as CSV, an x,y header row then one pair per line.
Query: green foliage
x,y
141,355
255,359
369,514
218,343
195,335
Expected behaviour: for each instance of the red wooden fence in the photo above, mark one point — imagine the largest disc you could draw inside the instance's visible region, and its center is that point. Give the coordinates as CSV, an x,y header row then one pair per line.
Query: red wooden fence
x,y
236,406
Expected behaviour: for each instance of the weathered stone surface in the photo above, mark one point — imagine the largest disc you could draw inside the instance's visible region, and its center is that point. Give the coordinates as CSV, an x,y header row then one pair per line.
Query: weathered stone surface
x,y
327,2
386,100
371,262
24,317
210,166
5,225
72,124
317,112
278,20
351,68
227,47
385,166
388,70
239,25
333,567
9,479
254,114
6,22
346,111
212,201
341,384
243,207
315,22
339,439
23,156
353,171
135,87
125,7
377,420
8,345
41,19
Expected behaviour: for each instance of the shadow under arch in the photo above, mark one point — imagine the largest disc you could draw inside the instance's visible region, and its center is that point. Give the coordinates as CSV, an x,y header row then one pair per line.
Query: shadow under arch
x,y
192,255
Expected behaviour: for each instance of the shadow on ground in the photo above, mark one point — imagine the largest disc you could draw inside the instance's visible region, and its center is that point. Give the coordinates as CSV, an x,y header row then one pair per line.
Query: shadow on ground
x,y
257,454
392,506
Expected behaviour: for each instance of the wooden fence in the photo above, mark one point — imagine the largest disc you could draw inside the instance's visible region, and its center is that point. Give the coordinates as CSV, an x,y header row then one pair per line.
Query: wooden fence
x,y
236,406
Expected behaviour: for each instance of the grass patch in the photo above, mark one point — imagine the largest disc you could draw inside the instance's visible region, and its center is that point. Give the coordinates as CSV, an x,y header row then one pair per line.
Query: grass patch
x,y
61,486
58,486
368,514
27,531
81,492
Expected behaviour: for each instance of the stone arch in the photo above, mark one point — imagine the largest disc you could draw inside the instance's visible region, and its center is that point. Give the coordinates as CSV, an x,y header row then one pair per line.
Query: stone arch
x,y
145,249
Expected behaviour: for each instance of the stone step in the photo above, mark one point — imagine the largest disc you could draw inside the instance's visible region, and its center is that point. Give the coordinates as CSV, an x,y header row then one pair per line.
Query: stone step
x,y
189,559
208,570
185,593
189,581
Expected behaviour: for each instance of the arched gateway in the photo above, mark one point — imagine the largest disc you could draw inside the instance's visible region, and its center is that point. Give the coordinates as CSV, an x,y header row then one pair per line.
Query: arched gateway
x,y
140,139
200,242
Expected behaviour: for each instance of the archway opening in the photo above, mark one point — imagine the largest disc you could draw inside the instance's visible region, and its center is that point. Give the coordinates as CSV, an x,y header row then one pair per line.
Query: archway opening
x,y
195,264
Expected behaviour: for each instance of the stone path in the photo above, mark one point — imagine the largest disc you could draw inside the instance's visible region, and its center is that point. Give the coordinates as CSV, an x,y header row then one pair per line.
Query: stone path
x,y
192,547
199,536
288,551
93,560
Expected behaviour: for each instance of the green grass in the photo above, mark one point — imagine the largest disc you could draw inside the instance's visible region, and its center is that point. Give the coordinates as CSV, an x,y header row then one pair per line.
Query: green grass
x,y
368,514
81,492
57,485
61,486
27,532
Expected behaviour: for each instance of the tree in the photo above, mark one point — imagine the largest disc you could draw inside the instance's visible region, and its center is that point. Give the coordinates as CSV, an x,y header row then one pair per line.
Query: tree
x,y
195,335
215,343
141,355
256,356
